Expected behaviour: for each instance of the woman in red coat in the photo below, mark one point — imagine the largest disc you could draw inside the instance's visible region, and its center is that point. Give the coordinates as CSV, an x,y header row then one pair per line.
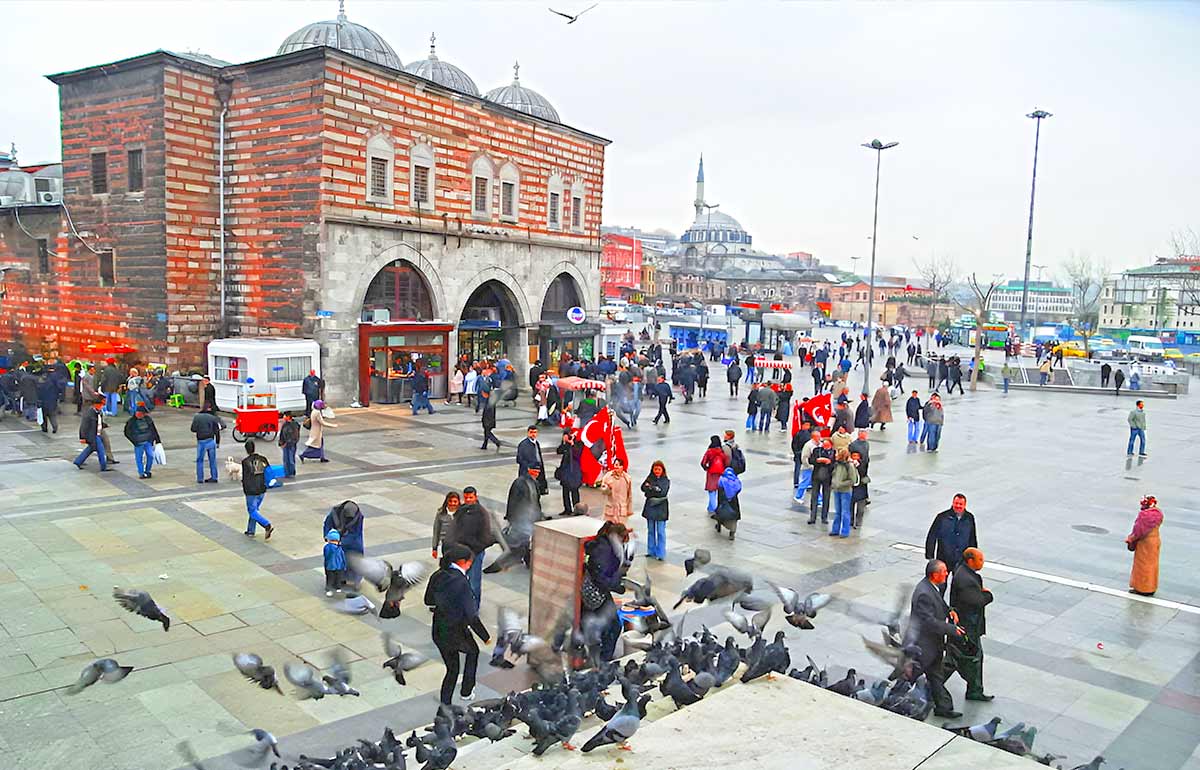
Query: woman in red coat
x,y
713,463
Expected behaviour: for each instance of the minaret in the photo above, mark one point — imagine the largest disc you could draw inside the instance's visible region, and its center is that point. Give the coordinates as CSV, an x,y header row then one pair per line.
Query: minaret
x,y
699,204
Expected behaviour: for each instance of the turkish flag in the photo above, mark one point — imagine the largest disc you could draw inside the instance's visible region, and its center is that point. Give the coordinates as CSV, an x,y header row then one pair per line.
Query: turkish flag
x,y
821,409
604,441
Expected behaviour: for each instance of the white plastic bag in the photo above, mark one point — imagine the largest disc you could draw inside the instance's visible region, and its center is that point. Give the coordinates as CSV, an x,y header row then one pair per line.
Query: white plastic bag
x,y
40,418
328,413
160,455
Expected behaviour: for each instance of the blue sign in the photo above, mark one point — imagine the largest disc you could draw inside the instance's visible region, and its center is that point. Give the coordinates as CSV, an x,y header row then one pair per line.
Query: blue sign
x,y
324,314
576,315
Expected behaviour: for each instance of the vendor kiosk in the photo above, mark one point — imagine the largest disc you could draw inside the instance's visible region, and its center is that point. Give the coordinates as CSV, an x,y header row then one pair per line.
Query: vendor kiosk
x,y
276,364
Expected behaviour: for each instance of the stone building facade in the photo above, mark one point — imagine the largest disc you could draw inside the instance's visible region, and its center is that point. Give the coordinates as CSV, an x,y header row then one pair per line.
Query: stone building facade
x,y
356,195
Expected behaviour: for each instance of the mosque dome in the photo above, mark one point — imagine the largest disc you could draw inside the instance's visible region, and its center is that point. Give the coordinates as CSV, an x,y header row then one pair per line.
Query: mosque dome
x,y
442,73
343,35
522,99
718,220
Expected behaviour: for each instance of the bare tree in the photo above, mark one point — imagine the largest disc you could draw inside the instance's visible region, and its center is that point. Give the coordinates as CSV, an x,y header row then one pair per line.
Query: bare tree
x,y
1186,243
978,308
939,274
1086,280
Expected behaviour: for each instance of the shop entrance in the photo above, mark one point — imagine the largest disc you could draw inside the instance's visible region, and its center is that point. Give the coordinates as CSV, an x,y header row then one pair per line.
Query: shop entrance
x,y
490,326
559,336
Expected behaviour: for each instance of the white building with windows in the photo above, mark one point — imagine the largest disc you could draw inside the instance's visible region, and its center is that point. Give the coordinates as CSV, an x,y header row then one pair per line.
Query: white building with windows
x,y
1045,301
1158,297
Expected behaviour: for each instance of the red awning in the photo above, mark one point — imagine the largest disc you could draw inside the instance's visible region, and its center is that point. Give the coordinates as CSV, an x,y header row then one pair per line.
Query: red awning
x,y
579,383
108,348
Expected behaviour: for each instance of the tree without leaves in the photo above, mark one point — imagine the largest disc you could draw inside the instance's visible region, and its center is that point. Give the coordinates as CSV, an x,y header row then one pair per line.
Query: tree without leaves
x,y
1186,243
978,308
939,274
1086,281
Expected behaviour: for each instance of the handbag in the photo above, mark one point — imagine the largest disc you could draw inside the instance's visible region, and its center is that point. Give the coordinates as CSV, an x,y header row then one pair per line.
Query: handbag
x,y
160,455
591,596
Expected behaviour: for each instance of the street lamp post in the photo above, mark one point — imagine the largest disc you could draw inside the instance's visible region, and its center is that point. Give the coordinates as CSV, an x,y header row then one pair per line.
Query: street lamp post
x,y
878,147
1037,115
707,243
1039,268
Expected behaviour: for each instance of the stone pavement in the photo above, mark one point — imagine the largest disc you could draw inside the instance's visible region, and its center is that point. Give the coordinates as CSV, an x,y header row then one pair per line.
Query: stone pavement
x,y
1045,474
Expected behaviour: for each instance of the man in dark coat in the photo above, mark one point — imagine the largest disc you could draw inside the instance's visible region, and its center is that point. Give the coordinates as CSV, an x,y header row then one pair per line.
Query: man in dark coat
x,y
929,623
529,455
488,419
208,397
28,385
472,526
818,378
90,436
111,379
663,392
862,413
952,532
455,616
535,373
687,379
313,388
523,495
1105,373
47,401
968,597
821,460
569,472
841,418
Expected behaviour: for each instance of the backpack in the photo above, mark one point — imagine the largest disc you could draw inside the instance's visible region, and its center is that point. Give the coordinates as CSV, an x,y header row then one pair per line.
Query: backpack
x,y
737,460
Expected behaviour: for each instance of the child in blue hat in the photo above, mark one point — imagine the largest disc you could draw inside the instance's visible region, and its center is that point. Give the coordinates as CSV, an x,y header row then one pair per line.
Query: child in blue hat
x,y
335,562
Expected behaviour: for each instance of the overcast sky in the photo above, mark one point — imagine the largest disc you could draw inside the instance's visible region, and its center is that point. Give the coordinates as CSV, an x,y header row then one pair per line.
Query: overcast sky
x,y
778,97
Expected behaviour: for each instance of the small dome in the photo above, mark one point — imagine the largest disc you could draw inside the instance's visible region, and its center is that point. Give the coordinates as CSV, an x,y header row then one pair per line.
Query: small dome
x,y
442,73
345,36
522,99
716,220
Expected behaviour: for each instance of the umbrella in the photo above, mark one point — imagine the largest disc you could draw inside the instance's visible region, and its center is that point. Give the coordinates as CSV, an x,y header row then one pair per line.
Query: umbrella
x,y
108,348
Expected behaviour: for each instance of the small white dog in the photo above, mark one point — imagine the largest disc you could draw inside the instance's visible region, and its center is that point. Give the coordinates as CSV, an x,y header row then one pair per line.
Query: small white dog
x,y
233,468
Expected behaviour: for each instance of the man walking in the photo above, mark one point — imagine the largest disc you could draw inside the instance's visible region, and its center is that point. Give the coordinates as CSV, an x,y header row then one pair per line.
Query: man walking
x,y
420,396
930,621
472,528
455,616
207,427
821,459
1137,429
952,532
488,419
208,396
87,389
529,452
89,434
767,400
254,486
1105,373
313,388
968,597
934,419
663,392
289,438
912,411
931,368
47,401
143,434
1007,372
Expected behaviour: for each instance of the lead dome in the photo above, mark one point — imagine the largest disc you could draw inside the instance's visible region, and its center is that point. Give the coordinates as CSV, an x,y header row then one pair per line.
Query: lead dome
x,y
522,99
442,73
344,35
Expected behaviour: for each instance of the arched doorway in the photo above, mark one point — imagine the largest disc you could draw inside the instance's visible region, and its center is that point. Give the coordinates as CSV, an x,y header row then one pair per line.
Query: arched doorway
x,y
490,326
560,333
397,337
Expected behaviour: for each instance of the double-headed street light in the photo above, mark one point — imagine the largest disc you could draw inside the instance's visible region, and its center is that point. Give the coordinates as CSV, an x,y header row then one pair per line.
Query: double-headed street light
x,y
878,147
1037,115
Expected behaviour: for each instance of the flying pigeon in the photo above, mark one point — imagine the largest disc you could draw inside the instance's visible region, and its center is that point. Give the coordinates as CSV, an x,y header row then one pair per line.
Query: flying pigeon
x,y
140,603
102,670
512,641
699,558
572,19
392,583
306,679
338,678
251,666
254,756
399,661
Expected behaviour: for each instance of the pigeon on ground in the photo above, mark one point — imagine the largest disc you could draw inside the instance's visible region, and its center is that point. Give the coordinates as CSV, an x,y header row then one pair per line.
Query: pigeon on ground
x,y
440,751
338,679
699,558
140,603
305,677
1093,765
1010,732
676,689
775,658
621,727
982,732
254,756
251,666
847,685
728,660
873,694
392,583
398,660
102,670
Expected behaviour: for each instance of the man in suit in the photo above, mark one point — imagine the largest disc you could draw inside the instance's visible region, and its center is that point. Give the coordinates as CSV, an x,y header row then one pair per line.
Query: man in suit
x,y
930,622
529,455
968,597
208,396
90,435
455,616
952,531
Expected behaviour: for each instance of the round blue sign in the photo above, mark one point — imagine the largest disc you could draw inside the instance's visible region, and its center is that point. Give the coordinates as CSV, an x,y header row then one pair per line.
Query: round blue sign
x,y
576,315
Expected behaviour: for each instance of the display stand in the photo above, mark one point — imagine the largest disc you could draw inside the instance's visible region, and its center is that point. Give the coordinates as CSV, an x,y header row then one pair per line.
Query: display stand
x,y
557,569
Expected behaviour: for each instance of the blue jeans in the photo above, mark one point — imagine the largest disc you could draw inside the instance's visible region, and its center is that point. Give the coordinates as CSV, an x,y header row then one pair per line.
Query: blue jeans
x,y
764,421
933,437
656,539
475,578
421,401
712,501
100,451
749,374
1005,384
252,503
206,447
1042,378
801,476
143,455
914,430
842,514
1140,434
750,421
289,459
112,404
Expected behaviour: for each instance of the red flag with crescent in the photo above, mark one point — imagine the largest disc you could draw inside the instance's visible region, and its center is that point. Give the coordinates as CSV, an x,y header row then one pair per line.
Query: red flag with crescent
x,y
603,442
821,409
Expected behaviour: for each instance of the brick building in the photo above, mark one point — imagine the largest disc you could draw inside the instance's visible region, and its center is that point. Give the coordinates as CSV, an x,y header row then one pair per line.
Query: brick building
x,y
897,301
387,213
620,264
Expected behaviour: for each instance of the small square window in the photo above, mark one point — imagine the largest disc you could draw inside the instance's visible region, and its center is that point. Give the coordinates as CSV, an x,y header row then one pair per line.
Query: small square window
x,y
577,212
479,202
107,269
377,187
420,192
508,199
99,173
553,215
137,176
43,250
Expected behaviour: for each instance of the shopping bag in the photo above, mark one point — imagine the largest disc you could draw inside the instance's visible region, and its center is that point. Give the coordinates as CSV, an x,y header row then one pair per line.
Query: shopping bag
x,y
160,455
40,419
328,413
274,475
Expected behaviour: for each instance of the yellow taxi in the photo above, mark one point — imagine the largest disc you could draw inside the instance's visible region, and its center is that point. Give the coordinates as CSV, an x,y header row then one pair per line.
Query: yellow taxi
x,y
1173,354
1073,349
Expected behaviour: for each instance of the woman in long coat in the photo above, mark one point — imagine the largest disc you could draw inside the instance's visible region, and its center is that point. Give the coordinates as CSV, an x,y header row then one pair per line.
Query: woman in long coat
x,y
617,487
881,407
347,519
1145,543
314,448
713,463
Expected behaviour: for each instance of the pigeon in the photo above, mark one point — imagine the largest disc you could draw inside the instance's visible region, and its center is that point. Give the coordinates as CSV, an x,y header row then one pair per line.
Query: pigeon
x,y
355,604
251,666
751,602
775,658
399,661
387,580
676,689
621,727
797,612
102,670
873,694
903,660
440,751
718,584
512,642
728,660
982,732
140,603
752,627
254,756
1093,765
572,19
847,685
306,679
1010,732
338,679
699,558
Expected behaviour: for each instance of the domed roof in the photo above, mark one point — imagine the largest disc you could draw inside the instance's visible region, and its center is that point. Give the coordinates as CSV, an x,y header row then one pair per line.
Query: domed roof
x,y
716,220
354,39
522,99
442,73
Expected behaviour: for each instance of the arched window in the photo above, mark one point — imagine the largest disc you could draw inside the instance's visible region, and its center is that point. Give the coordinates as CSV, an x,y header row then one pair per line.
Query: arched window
x,y
578,199
554,207
423,182
381,157
481,188
401,290
510,192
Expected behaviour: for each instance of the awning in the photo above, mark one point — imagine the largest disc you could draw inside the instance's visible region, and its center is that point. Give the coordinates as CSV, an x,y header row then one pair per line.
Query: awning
x,y
790,321
767,363
579,383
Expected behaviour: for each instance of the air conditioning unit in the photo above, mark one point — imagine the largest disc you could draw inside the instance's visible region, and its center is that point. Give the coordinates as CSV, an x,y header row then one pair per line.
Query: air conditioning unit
x,y
381,315
49,197
6,200
483,314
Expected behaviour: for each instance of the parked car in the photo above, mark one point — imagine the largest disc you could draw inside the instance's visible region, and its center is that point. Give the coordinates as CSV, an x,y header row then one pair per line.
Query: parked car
x,y
1073,349
1173,354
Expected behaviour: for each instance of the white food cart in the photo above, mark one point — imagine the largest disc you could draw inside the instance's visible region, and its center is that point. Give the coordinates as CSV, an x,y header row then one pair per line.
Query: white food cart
x,y
275,364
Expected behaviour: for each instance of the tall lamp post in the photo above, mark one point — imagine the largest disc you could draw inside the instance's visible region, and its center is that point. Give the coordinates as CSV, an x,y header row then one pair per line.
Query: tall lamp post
x,y
1037,115
1038,268
878,147
707,244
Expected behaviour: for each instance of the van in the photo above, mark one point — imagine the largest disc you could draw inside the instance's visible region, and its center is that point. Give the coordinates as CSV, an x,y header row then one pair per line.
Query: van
x,y
1144,348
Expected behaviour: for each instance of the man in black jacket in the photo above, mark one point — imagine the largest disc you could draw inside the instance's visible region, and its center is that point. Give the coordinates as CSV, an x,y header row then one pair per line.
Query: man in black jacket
x,y
952,531
254,486
662,391
89,434
472,526
313,388
47,400
208,396
207,427
912,413
289,437
529,452
821,459
455,616
800,438
570,472
930,622
969,598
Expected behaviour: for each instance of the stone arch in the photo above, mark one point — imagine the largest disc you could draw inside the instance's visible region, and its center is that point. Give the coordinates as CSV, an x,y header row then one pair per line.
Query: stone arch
x,y
506,279
409,253
581,284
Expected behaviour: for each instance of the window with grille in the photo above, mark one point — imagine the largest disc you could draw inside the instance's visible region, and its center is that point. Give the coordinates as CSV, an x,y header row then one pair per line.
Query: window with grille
x,y
108,273
377,185
99,173
577,212
553,217
229,369
508,199
420,191
480,201
288,369
136,169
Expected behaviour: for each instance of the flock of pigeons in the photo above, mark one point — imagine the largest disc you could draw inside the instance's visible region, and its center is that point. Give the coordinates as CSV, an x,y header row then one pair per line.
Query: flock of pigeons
x,y
573,680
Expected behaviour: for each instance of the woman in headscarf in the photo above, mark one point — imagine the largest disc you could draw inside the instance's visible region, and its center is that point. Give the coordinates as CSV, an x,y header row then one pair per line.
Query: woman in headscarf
x,y
314,448
605,564
881,407
729,508
1145,543
347,519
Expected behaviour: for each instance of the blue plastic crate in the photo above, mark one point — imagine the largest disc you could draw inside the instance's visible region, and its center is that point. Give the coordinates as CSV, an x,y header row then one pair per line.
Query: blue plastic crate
x,y
274,475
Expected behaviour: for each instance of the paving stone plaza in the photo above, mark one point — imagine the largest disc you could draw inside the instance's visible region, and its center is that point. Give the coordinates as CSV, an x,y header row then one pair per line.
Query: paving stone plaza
x,y
1097,671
